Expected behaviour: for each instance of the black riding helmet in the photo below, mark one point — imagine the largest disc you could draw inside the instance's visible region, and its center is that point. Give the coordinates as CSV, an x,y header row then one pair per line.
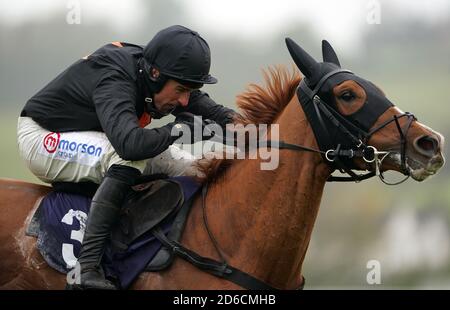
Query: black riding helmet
x,y
180,54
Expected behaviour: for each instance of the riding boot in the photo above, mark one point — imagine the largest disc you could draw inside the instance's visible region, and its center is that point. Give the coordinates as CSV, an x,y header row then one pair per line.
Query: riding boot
x,y
103,214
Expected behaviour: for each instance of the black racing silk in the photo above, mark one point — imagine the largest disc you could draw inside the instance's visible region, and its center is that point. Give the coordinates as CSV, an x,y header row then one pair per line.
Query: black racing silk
x,y
104,92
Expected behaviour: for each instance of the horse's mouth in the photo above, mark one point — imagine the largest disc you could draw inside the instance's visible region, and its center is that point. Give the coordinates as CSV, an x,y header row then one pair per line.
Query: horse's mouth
x,y
419,170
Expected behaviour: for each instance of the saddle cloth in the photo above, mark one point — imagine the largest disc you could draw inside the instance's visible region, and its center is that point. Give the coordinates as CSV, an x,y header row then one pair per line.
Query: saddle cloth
x,y
60,221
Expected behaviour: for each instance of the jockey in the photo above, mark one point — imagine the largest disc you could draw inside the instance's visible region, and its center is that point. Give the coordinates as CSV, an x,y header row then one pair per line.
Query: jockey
x,y
87,125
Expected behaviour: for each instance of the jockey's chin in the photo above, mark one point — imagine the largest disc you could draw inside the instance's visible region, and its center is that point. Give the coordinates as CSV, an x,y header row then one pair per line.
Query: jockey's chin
x,y
166,108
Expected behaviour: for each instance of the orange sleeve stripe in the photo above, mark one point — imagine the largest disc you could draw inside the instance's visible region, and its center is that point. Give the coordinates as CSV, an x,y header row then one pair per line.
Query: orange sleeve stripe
x,y
118,44
145,120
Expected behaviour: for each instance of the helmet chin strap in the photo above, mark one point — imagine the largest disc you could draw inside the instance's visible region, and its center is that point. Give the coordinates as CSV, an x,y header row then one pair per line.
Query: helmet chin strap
x,y
151,86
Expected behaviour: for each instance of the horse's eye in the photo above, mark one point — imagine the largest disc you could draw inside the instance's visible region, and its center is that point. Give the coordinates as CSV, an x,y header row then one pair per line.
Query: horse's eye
x,y
347,96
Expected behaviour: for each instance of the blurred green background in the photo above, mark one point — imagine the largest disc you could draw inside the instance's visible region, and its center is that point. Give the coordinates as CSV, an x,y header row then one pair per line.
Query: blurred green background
x,y
406,228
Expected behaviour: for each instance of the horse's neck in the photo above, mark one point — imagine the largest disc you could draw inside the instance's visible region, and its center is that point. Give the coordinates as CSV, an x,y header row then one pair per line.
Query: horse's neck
x,y
264,219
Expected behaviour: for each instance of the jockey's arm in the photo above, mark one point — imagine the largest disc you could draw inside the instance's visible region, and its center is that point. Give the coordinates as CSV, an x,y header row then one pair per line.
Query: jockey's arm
x,y
201,104
114,99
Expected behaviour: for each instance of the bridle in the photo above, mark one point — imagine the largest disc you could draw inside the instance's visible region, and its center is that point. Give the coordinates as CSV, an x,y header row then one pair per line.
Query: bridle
x,y
337,156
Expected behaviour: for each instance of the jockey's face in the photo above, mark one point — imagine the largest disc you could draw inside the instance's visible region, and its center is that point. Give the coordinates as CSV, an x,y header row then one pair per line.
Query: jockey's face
x,y
172,95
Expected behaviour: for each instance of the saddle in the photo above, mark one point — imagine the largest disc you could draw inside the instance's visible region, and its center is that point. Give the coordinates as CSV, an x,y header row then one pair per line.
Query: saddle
x,y
170,205
158,205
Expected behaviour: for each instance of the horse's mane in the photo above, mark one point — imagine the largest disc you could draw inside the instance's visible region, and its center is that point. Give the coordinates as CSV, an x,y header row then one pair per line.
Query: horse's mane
x,y
258,105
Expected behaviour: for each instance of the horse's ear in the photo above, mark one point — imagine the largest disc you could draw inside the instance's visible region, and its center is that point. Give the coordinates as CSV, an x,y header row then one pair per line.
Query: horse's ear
x,y
328,53
307,65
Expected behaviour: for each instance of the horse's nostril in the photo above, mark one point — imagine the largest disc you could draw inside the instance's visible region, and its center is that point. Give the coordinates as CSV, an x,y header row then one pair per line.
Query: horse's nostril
x,y
427,145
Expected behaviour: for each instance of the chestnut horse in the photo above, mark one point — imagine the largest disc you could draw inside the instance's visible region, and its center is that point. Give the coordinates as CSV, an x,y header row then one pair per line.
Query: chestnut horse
x,y
262,220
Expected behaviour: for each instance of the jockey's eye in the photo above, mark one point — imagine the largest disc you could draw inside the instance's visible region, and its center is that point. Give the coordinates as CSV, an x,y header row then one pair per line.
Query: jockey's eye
x,y
347,96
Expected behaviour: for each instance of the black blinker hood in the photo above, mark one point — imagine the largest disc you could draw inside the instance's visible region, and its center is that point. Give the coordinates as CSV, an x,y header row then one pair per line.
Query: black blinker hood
x,y
358,123
332,130
342,138
375,105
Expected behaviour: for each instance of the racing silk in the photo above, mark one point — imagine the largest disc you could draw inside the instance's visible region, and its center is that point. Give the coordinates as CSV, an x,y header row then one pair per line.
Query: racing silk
x,y
103,92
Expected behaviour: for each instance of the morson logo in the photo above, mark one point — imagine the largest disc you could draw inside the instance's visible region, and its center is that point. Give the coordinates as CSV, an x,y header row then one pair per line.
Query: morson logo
x,y
66,145
52,143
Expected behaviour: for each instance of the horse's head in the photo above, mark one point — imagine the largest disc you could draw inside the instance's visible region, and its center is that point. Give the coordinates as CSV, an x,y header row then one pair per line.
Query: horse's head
x,y
356,126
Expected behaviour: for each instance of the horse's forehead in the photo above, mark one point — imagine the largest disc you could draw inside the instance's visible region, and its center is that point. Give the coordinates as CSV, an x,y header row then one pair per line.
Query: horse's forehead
x,y
345,76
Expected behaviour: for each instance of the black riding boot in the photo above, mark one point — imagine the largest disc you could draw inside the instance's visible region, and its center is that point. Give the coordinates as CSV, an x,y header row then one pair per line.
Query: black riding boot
x,y
103,214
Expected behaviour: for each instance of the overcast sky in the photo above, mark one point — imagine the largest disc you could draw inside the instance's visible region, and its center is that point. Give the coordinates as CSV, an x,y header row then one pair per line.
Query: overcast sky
x,y
340,21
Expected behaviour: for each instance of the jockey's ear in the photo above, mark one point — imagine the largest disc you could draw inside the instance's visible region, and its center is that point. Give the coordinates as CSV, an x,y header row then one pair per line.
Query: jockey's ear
x,y
307,65
328,53
154,74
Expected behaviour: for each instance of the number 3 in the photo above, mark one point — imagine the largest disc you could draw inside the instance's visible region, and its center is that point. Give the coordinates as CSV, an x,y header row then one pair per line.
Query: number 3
x,y
67,248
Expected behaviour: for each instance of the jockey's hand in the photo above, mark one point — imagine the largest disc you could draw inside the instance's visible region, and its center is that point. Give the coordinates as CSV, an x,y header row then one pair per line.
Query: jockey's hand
x,y
196,125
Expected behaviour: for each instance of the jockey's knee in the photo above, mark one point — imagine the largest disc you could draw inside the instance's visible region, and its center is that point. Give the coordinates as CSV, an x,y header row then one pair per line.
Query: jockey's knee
x,y
115,160
126,174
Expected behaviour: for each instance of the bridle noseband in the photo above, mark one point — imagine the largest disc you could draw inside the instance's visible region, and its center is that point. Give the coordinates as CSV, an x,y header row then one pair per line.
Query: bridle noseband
x,y
356,139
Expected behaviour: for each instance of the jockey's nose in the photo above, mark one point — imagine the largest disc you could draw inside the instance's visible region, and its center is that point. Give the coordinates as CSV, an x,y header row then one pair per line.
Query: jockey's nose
x,y
427,145
183,100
